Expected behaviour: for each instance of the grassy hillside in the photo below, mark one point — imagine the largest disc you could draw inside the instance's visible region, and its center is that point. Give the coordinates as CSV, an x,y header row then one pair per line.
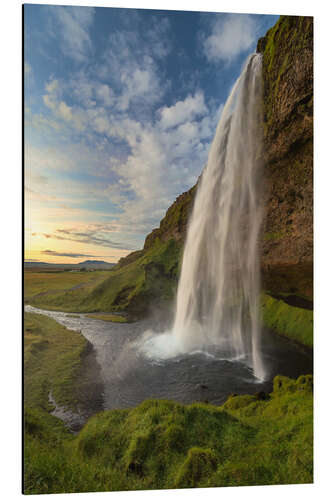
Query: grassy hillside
x,y
250,440
60,290
52,362
134,287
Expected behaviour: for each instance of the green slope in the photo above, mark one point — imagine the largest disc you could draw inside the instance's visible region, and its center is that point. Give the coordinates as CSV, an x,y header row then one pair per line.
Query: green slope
x,y
250,440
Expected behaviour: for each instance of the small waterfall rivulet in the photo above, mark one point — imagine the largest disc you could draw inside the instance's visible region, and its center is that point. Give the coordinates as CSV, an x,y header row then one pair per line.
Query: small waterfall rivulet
x,y
218,291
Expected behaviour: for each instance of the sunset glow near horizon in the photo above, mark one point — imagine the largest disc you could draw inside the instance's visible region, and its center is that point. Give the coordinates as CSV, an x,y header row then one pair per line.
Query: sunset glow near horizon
x,y
121,106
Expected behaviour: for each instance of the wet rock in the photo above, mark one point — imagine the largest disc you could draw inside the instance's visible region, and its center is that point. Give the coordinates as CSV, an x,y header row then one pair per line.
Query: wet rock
x,y
287,243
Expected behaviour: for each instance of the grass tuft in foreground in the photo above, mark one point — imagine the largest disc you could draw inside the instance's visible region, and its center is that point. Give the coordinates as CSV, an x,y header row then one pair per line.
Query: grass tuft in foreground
x,y
163,444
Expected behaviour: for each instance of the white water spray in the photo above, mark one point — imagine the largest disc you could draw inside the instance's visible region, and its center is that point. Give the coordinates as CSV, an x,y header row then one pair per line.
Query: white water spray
x,y
218,291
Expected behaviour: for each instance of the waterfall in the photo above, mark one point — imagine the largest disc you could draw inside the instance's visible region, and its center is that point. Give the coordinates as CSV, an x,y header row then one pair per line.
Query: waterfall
x,y
219,286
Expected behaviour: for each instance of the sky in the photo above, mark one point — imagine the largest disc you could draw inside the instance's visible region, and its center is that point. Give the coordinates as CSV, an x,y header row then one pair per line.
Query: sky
x,y
120,108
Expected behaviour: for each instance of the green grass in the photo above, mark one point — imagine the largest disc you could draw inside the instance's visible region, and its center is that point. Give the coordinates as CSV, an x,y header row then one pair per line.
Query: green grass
x,y
131,287
163,444
52,361
62,291
292,322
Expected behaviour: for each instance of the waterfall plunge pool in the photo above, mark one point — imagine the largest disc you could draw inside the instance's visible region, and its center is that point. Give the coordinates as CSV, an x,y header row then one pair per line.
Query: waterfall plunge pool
x,y
128,376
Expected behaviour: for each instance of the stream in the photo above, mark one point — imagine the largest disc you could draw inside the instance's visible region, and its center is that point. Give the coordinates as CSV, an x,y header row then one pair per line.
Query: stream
x,y
125,377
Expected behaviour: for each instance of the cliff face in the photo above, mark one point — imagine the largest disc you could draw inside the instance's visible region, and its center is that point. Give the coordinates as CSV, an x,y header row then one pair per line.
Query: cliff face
x,y
151,274
173,225
287,233
287,236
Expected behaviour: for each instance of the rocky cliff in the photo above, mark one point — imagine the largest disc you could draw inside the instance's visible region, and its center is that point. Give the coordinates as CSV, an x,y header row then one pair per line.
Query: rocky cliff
x,y
287,237
151,274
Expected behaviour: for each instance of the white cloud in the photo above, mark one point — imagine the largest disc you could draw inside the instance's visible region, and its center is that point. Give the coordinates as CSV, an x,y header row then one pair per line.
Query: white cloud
x,y
140,84
61,110
182,111
65,111
41,123
52,86
230,36
165,156
82,90
158,37
130,65
144,158
162,164
74,24
105,94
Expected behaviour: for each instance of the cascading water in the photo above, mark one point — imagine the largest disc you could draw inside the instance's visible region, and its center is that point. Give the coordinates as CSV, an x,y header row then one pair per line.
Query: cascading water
x,y
217,297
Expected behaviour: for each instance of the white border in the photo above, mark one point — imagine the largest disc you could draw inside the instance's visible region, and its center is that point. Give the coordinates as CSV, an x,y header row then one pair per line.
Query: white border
x,y
11,43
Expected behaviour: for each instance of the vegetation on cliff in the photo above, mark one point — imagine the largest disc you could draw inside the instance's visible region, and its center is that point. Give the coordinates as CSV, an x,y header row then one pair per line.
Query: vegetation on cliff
x,y
250,440
287,240
295,323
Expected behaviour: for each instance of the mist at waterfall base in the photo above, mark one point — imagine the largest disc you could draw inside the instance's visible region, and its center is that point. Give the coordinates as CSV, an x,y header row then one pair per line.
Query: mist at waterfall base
x,y
217,310
117,375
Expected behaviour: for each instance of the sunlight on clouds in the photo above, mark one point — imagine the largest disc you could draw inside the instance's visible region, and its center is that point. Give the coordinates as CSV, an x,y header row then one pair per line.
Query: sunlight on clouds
x,y
230,37
120,119
183,111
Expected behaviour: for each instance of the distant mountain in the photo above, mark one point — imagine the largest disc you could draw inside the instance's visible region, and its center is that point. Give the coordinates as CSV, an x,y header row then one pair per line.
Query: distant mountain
x,y
87,264
94,262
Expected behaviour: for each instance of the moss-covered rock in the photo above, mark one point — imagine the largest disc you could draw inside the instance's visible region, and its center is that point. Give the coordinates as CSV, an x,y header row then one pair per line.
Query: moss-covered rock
x,y
287,237
293,322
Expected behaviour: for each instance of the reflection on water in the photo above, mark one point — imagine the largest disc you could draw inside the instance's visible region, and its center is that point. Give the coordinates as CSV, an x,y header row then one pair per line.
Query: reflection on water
x,y
129,377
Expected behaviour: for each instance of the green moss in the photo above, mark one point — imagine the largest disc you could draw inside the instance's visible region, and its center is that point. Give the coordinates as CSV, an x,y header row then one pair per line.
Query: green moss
x,y
292,322
163,444
273,236
199,464
283,384
237,402
288,39
43,426
172,437
140,447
